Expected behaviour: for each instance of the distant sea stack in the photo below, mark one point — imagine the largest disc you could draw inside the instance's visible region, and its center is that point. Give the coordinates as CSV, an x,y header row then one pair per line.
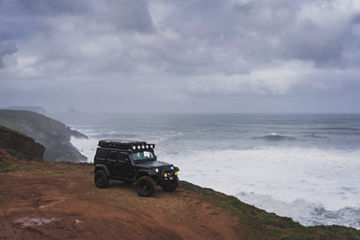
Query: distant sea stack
x,y
54,135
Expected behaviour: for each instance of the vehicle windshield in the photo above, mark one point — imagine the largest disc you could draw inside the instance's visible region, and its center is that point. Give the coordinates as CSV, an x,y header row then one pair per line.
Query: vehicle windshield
x,y
144,155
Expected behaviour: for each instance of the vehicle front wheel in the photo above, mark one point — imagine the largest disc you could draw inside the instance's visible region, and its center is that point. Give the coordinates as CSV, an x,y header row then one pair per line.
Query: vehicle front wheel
x,y
170,186
101,179
145,186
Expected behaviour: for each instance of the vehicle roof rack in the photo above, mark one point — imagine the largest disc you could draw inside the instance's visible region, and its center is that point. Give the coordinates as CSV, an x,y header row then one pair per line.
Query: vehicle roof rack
x,y
125,144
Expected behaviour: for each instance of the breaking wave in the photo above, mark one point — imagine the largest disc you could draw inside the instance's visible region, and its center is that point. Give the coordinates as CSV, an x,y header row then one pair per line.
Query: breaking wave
x,y
307,213
312,186
276,137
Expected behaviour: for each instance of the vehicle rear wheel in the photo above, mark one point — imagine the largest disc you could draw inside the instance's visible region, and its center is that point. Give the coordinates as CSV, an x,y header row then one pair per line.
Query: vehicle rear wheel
x,y
145,186
101,179
170,186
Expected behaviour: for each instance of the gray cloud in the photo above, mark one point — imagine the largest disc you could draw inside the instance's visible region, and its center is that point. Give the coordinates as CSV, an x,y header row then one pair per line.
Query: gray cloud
x,y
6,48
180,52
127,15
42,7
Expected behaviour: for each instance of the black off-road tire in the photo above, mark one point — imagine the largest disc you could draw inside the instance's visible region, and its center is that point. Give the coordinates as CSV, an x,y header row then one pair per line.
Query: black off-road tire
x,y
145,186
101,179
170,186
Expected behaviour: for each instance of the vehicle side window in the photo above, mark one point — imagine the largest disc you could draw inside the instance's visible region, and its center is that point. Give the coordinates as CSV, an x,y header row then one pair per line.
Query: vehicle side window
x,y
124,157
101,153
113,155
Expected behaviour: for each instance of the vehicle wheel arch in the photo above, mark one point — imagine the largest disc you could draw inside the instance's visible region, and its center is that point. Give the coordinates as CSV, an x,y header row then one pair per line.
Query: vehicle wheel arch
x,y
142,173
102,167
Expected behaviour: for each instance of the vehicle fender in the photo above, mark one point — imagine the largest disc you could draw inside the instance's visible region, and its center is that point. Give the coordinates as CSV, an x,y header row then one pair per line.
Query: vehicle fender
x,y
145,172
104,167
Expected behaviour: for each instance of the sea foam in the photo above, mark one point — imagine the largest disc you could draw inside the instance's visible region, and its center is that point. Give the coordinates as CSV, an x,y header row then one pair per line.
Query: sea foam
x,y
313,186
86,147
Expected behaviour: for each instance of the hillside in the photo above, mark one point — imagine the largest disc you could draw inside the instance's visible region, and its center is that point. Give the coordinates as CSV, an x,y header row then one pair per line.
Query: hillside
x,y
37,109
59,201
54,135
16,146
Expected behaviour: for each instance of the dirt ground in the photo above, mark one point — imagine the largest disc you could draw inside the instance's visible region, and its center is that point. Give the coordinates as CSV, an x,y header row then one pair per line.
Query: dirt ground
x,y
65,204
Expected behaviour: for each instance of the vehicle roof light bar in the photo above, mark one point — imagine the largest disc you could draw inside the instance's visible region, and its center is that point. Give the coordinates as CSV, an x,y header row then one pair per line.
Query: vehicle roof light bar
x,y
125,144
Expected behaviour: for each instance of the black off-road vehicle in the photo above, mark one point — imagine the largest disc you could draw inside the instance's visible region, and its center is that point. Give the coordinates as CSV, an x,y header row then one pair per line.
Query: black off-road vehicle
x,y
133,161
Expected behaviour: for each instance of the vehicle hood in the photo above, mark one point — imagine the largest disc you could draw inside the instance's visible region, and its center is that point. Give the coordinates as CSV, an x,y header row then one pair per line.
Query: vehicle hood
x,y
154,164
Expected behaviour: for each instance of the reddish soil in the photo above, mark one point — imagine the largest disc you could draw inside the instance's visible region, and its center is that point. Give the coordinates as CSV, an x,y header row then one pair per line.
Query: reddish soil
x,y
51,204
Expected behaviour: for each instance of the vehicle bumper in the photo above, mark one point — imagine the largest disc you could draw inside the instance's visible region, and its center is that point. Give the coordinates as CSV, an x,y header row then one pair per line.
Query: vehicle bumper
x,y
167,176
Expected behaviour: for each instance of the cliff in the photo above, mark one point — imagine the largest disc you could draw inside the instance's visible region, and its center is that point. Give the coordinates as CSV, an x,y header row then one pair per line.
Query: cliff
x,y
18,144
15,146
59,201
37,109
52,134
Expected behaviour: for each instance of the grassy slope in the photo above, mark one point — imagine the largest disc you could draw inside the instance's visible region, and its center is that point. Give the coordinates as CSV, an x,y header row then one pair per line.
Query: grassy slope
x,y
269,225
15,146
262,225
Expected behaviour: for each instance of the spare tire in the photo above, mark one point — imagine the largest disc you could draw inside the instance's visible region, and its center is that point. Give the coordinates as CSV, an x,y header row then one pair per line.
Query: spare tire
x,y
145,186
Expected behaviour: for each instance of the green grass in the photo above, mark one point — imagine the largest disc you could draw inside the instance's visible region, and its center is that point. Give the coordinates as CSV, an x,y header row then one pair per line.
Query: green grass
x,y
5,166
18,166
269,225
13,130
15,161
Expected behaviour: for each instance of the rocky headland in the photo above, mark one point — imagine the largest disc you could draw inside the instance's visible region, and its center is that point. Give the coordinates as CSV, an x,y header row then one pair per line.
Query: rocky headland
x,y
52,134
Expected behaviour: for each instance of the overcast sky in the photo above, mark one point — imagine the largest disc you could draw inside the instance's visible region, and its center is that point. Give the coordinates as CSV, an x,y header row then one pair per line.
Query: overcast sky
x,y
181,56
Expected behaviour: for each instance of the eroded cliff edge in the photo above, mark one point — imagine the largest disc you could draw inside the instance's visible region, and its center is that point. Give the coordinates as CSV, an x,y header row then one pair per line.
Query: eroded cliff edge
x,y
52,134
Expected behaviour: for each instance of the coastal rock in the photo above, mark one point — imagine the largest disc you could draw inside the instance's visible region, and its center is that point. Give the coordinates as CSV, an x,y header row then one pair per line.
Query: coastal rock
x,y
15,143
54,135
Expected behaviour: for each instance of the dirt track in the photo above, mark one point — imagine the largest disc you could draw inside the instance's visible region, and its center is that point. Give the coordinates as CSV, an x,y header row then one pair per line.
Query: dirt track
x,y
52,204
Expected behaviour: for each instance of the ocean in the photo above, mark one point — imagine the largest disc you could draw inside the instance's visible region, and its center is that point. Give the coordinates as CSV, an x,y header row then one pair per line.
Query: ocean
x,y
303,166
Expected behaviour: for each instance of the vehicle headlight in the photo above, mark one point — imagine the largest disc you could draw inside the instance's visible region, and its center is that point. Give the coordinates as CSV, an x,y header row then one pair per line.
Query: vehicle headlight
x,y
165,175
176,173
157,170
172,168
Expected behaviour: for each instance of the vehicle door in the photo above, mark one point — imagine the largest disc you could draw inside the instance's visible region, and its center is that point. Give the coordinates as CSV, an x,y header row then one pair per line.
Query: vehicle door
x,y
112,158
123,166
